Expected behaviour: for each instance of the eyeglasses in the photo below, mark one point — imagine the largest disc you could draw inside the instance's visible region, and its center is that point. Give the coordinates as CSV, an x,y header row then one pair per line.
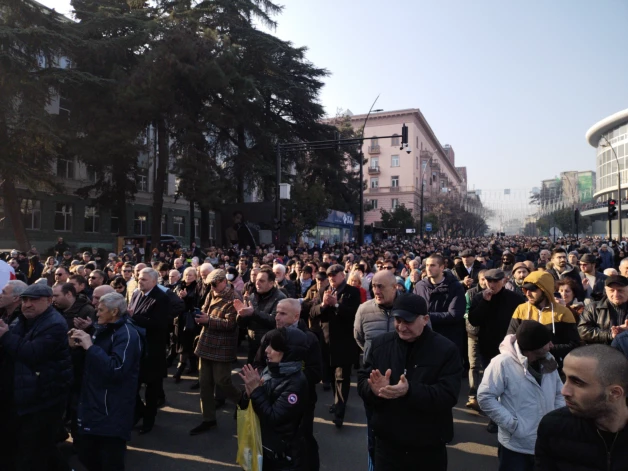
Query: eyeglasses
x,y
127,271
389,268
216,283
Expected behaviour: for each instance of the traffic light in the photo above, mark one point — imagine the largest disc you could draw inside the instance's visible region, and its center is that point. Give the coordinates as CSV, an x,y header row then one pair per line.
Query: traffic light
x,y
612,209
284,215
404,136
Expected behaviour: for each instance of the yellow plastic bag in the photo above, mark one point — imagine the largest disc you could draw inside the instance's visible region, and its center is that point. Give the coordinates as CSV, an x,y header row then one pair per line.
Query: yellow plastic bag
x,y
250,452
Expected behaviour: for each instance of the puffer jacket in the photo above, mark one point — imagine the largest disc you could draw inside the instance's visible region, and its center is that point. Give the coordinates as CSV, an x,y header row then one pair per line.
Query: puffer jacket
x,y
433,368
596,321
372,320
112,368
569,443
514,400
263,319
555,317
446,306
39,351
280,403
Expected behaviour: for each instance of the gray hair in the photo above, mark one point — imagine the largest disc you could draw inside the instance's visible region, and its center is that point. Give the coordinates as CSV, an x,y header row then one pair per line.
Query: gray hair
x,y
173,271
154,274
281,267
207,267
114,301
293,304
17,287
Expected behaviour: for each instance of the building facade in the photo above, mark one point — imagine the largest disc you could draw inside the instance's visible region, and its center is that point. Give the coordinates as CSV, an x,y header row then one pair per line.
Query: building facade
x,y
393,176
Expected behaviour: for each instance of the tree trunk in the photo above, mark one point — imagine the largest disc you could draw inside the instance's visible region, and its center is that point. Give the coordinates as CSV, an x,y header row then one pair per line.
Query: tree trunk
x,y
192,235
204,227
158,187
12,205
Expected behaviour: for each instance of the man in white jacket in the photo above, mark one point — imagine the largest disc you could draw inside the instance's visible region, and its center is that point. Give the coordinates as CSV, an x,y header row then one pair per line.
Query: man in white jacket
x,y
519,387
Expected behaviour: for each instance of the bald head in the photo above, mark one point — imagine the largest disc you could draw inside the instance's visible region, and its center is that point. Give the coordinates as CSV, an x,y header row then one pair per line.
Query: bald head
x,y
288,312
384,287
99,292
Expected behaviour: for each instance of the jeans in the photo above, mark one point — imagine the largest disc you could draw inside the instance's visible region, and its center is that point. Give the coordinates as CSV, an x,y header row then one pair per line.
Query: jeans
x,y
512,461
389,458
475,366
212,374
102,453
342,386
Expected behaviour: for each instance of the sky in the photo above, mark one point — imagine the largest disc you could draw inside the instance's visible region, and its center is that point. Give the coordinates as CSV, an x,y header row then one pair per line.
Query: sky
x,y
512,86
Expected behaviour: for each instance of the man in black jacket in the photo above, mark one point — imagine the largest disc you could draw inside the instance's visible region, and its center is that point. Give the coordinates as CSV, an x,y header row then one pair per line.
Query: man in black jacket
x,y
591,433
561,269
336,313
411,381
150,308
468,269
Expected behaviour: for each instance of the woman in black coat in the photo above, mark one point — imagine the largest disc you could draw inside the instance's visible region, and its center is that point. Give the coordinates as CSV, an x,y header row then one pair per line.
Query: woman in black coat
x,y
185,328
280,400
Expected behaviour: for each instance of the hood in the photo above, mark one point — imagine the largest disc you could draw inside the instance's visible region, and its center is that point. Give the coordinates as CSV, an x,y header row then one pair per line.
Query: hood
x,y
510,347
296,346
543,280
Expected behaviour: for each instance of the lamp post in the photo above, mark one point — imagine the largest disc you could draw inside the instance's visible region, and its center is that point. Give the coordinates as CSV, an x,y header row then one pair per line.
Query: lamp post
x,y
361,235
608,144
427,162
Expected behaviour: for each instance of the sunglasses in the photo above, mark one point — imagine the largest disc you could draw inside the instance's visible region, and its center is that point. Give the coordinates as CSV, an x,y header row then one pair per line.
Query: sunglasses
x,y
389,268
531,289
216,283
127,271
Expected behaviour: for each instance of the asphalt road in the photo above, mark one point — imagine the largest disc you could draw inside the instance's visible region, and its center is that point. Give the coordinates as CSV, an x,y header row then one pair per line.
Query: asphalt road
x,y
170,447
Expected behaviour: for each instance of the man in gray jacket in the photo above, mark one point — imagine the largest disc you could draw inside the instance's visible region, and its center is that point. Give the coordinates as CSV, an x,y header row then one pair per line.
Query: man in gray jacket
x,y
519,387
372,320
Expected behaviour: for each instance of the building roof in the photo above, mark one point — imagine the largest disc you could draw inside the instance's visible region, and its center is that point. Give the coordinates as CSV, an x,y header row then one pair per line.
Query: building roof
x,y
609,123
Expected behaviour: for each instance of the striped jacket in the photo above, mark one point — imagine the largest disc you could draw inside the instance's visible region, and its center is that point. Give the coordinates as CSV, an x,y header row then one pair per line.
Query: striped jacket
x,y
219,338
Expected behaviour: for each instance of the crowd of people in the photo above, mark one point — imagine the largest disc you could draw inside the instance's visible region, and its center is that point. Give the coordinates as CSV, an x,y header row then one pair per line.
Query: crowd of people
x,y
541,328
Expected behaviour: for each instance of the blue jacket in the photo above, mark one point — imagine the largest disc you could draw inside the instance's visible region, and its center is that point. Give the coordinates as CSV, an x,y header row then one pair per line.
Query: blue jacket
x,y
606,260
446,306
112,365
42,369
621,343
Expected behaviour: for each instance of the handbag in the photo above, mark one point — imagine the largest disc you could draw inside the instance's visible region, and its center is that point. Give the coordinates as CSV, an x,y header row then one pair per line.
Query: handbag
x,y
250,452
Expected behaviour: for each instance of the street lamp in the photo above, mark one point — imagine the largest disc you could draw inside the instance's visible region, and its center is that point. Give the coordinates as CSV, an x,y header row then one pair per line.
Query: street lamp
x,y
427,162
361,235
608,144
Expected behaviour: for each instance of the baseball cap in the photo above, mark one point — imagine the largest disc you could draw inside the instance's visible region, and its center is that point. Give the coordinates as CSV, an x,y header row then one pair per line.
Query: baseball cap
x,y
37,291
616,280
409,306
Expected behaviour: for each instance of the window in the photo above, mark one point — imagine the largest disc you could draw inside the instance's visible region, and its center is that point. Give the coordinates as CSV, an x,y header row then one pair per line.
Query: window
x,y
374,162
197,228
373,204
178,225
31,214
63,217
394,182
64,108
141,179
92,219
164,224
374,142
394,161
140,222
65,168
115,222
417,161
375,182
417,142
394,141
91,174
395,203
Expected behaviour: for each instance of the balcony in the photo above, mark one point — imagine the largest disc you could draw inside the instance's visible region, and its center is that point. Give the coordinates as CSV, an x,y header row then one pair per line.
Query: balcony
x,y
394,189
374,170
374,149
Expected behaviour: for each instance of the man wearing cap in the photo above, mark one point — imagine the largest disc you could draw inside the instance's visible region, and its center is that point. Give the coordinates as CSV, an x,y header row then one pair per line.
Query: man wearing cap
x,y
336,312
467,270
519,271
603,321
592,280
519,387
39,371
411,381
217,347
541,306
